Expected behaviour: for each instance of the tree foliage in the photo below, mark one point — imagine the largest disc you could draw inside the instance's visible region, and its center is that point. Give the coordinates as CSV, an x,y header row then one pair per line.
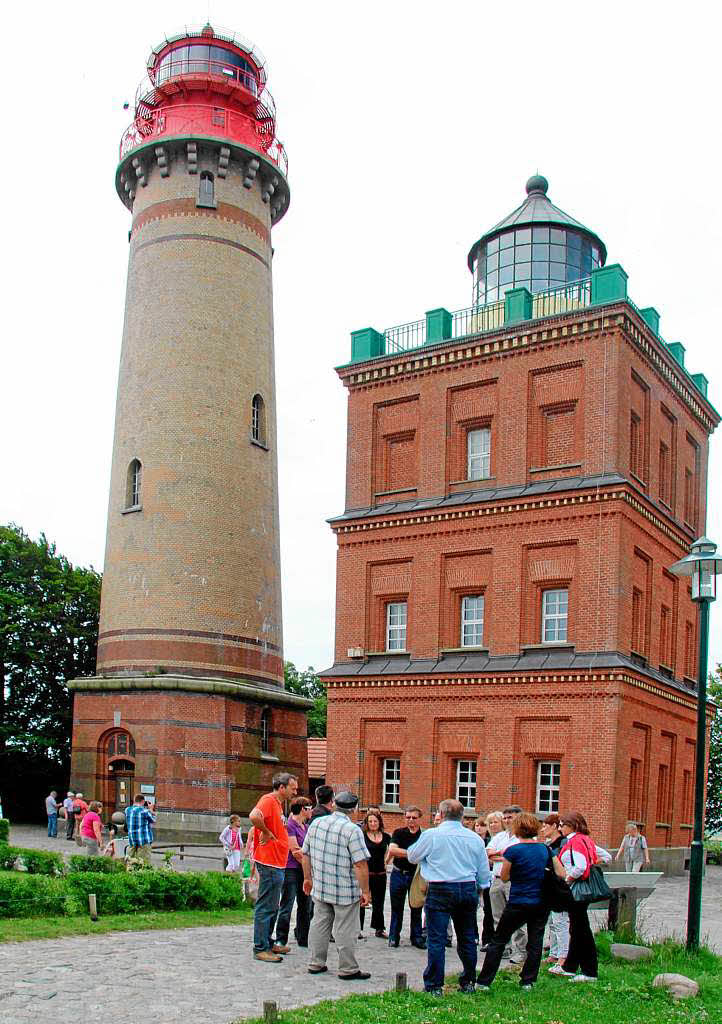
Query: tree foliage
x,y
48,635
307,684
713,815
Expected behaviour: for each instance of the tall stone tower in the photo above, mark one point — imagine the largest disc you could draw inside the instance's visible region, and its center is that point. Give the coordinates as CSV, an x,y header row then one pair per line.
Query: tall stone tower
x,y
190,641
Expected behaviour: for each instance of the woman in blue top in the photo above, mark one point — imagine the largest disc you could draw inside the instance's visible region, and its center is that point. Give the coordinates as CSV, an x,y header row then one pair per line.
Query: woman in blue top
x,y
523,865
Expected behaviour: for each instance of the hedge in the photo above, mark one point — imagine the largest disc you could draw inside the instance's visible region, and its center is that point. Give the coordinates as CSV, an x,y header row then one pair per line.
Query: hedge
x,y
4,830
137,892
714,851
104,865
35,862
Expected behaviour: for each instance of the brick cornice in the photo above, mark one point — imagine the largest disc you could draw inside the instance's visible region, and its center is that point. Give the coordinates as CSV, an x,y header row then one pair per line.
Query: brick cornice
x,y
559,329
187,208
457,516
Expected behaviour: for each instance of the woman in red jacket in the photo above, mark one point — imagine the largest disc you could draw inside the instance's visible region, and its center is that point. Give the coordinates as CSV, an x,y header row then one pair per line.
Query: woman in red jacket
x,y
577,855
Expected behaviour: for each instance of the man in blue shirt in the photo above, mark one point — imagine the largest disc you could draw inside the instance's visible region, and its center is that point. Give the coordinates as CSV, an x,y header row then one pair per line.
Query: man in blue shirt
x,y
454,863
139,820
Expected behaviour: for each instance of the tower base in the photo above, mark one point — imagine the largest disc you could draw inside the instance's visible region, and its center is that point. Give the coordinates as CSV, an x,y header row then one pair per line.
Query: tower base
x,y
200,749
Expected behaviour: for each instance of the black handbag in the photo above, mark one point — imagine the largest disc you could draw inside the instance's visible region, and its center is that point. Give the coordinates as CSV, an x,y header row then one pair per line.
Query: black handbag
x,y
556,894
592,889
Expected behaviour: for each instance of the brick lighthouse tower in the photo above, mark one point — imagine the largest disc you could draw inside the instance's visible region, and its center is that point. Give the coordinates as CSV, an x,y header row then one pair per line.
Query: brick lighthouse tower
x,y
188,703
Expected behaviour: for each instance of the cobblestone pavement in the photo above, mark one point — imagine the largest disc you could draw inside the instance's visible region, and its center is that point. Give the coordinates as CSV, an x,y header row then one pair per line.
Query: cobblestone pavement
x,y
210,973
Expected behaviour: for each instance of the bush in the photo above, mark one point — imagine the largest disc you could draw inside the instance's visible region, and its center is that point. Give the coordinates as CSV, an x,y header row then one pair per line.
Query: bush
x,y
4,830
714,851
35,862
99,865
31,896
117,892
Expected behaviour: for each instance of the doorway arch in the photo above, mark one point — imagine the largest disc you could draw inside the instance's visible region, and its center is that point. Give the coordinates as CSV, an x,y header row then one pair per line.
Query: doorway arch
x,y
118,770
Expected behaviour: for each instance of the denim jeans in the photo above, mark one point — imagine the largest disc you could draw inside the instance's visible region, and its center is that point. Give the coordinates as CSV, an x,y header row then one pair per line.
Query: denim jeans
x,y
399,885
457,901
270,884
534,916
292,892
53,826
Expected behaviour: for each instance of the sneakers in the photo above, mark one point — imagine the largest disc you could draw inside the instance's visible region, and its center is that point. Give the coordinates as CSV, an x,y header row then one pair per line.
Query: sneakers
x,y
558,969
317,970
380,934
468,989
526,988
267,956
483,988
434,991
582,977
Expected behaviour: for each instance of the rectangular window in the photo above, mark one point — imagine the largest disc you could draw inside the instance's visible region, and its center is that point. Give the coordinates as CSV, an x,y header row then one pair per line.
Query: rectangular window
x,y
555,610
478,454
396,626
638,621
548,774
472,621
635,445
688,497
687,797
665,474
634,804
391,782
663,794
665,636
466,784
690,661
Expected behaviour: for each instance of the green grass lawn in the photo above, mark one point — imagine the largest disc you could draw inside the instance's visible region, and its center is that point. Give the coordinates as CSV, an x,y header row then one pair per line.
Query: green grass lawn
x,y
623,995
22,929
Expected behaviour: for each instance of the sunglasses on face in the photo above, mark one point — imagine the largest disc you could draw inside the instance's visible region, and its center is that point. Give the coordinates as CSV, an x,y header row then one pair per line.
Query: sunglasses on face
x,y
412,817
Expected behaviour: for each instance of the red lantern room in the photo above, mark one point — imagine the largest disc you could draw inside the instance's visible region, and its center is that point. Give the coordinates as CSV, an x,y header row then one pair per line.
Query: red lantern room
x,y
204,84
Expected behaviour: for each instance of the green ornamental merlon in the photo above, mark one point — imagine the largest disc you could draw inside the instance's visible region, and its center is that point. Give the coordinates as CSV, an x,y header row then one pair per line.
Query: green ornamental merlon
x,y
676,350
537,210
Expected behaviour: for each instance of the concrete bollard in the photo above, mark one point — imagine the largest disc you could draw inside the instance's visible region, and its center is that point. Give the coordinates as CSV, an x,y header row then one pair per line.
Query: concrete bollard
x,y
93,906
401,982
270,1012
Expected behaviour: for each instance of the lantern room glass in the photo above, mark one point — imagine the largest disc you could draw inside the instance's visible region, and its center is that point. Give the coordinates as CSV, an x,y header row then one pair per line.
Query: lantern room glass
x,y
536,258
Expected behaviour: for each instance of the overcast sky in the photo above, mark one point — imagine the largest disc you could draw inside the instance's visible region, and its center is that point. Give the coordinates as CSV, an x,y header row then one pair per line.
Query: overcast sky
x,y
411,128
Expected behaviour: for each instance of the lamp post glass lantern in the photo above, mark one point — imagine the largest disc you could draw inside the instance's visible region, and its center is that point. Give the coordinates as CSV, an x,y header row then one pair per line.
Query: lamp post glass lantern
x,y
703,566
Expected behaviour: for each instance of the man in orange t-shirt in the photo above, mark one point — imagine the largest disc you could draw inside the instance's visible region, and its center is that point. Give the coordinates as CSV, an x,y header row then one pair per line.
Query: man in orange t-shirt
x,y
270,853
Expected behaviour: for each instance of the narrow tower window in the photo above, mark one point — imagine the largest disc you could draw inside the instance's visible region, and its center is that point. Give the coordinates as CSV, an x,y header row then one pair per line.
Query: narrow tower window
x,y
206,190
265,731
258,420
132,489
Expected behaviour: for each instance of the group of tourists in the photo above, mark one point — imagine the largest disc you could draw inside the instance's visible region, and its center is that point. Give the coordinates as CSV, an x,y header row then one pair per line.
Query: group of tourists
x,y
84,825
531,877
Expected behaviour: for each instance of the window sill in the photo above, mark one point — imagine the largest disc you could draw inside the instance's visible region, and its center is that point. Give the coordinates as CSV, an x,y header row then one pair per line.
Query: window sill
x,y
662,824
560,465
390,808
131,508
463,650
383,654
687,827
471,480
259,444
551,645
269,757
206,206
692,683
399,490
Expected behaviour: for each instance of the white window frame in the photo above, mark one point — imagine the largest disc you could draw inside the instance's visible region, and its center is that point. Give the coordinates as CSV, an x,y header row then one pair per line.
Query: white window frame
x,y
478,454
391,782
555,616
466,773
265,731
396,624
547,792
472,620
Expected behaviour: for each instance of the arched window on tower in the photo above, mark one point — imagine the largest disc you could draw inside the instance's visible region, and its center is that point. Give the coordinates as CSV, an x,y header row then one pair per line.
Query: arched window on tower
x,y
206,190
258,420
266,731
132,486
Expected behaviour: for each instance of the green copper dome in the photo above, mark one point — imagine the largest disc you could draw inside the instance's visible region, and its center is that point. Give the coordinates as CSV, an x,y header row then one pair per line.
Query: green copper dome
x,y
538,246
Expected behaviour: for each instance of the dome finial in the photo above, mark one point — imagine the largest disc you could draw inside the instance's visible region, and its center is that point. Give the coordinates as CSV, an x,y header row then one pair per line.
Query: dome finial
x,y
537,183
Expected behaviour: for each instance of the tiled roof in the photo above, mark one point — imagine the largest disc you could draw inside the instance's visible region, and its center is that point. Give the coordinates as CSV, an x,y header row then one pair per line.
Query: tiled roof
x,y
316,758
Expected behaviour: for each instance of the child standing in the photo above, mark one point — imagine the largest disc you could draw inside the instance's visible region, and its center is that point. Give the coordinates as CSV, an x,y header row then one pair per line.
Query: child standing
x,y
232,842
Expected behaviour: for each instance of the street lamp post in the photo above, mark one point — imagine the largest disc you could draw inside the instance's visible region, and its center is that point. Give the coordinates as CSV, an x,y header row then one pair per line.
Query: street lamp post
x,y
702,565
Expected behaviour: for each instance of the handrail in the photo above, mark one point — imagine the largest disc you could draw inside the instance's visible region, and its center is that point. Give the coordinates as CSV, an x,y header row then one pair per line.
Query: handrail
x,y
219,70
203,119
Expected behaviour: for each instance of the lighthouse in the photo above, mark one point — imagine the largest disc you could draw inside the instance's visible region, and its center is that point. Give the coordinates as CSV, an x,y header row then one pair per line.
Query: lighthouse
x,y
188,704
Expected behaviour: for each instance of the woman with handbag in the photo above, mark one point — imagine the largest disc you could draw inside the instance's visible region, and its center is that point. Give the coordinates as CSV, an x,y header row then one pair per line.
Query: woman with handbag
x,y
578,857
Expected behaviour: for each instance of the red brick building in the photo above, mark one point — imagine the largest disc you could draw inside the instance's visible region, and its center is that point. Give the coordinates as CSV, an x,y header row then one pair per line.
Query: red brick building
x,y
520,477
188,704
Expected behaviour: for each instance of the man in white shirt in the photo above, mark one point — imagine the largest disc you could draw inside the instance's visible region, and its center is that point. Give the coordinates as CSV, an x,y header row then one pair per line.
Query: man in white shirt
x,y
499,892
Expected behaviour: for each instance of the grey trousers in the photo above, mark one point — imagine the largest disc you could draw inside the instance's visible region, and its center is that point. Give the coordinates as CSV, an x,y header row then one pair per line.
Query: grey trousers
x,y
343,921
499,896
